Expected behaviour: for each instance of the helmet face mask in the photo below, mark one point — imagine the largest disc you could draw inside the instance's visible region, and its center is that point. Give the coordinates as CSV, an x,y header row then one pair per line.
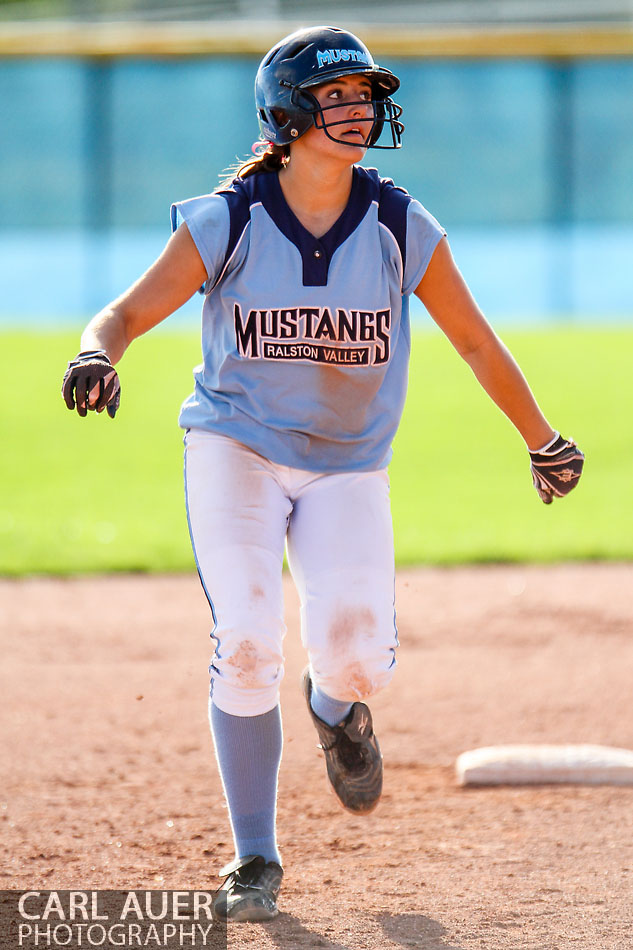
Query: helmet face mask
x,y
384,112
286,105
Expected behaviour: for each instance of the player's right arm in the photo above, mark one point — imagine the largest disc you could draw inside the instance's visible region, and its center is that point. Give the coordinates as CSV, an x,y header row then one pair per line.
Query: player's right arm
x,y
171,280
90,381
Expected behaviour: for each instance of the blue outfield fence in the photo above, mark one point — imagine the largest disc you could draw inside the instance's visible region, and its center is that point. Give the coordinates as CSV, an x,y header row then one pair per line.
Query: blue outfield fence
x,y
528,163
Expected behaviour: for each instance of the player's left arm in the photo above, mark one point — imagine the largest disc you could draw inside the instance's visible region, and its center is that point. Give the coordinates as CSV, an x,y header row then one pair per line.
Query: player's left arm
x,y
446,296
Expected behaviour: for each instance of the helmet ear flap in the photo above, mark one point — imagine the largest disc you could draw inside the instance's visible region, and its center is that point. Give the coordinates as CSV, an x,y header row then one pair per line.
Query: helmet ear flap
x,y
275,119
281,117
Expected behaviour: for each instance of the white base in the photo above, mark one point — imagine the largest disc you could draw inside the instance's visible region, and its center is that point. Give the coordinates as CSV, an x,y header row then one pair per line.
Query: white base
x,y
544,764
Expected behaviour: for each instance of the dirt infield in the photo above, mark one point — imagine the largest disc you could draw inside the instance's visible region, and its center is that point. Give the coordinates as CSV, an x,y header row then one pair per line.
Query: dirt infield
x,y
108,777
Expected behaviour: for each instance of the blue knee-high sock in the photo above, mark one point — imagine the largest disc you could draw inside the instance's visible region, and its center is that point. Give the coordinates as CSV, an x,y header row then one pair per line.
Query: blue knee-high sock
x,y
248,750
332,711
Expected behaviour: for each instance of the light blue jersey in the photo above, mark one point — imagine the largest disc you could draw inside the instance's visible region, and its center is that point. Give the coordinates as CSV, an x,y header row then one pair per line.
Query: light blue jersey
x,y
306,341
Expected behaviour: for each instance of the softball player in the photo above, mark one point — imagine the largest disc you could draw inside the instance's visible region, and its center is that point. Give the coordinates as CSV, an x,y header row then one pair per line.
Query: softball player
x,y
306,261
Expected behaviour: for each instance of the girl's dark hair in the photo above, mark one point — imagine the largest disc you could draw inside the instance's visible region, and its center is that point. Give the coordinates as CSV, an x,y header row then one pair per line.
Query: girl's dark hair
x,y
267,158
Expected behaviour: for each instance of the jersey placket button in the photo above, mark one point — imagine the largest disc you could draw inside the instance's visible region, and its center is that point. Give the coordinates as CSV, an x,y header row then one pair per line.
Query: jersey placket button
x,y
317,271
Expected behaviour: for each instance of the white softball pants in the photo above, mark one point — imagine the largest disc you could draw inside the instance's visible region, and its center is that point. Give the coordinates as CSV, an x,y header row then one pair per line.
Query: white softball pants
x,y
242,511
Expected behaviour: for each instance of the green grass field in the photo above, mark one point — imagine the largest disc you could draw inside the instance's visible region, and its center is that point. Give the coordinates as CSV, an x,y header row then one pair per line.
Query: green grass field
x,y
88,495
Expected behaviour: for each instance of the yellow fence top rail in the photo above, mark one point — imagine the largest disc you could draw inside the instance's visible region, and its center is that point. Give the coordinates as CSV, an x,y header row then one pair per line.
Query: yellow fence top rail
x,y
213,38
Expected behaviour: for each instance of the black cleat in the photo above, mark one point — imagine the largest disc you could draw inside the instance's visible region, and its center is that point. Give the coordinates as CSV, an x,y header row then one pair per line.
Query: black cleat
x,y
352,755
250,891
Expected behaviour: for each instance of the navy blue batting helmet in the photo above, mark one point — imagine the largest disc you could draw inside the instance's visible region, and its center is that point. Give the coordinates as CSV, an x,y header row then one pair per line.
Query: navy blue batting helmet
x,y
286,109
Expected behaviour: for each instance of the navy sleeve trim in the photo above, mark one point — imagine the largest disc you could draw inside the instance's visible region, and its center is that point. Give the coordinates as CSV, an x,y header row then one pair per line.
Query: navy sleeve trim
x,y
173,214
392,213
238,200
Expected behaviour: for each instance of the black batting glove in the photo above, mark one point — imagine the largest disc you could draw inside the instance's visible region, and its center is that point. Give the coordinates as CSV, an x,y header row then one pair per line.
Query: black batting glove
x,y
556,470
91,383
